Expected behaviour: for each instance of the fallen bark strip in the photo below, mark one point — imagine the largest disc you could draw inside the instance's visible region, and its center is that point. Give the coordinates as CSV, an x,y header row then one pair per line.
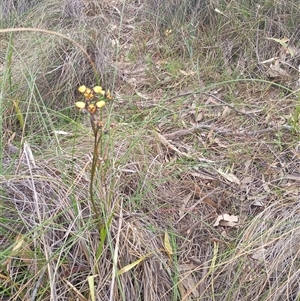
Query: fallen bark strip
x,y
226,132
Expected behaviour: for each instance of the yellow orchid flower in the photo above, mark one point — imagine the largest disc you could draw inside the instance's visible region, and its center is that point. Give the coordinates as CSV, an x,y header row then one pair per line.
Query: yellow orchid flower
x,y
82,89
88,94
108,95
100,104
92,108
98,89
80,105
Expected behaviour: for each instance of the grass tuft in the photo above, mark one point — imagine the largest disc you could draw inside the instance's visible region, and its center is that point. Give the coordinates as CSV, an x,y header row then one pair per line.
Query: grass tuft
x,y
177,179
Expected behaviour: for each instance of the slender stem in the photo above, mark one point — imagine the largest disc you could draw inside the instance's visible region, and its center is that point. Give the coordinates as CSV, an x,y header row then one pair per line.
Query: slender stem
x,y
93,172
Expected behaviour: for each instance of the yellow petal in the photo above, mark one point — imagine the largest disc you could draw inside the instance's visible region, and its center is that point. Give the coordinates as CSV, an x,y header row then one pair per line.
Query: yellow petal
x,y
82,89
100,104
97,89
80,104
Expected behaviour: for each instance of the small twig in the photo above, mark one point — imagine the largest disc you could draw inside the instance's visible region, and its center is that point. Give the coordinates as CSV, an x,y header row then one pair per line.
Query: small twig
x,y
196,204
228,105
167,144
37,285
183,95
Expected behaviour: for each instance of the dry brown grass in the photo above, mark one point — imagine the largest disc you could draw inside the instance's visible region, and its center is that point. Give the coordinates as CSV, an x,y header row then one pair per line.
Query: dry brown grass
x,y
178,137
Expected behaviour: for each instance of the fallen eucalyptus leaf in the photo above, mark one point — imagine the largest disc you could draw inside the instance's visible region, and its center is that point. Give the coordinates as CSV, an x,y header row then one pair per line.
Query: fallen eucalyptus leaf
x,y
227,220
229,176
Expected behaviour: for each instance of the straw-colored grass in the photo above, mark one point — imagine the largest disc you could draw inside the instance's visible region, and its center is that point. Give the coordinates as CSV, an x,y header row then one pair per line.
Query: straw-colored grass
x,y
204,122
